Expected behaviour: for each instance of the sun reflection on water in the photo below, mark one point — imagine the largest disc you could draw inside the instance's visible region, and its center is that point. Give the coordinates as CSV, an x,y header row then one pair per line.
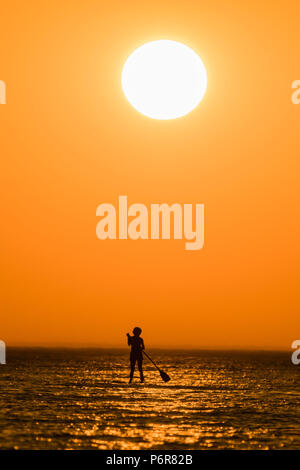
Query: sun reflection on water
x,y
82,400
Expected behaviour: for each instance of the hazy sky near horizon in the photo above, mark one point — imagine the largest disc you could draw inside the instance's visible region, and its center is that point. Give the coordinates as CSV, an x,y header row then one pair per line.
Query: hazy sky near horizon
x,y
71,141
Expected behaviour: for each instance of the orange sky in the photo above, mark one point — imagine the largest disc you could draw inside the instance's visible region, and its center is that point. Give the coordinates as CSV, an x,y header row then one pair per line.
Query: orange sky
x,y
70,141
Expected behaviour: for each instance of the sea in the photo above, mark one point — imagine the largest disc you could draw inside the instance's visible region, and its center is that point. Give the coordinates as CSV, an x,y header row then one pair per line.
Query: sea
x,y
81,399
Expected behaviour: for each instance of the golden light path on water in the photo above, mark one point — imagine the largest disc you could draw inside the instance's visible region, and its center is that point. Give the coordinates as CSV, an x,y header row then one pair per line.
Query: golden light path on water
x,y
80,399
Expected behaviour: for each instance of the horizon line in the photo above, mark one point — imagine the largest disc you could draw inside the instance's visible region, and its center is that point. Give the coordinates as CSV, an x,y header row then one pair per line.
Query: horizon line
x,y
162,348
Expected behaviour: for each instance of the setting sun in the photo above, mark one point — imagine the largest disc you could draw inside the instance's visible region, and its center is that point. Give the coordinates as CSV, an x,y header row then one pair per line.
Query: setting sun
x,y
164,79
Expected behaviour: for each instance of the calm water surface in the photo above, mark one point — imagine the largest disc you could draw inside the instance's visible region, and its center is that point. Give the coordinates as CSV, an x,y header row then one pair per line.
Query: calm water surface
x,y
80,399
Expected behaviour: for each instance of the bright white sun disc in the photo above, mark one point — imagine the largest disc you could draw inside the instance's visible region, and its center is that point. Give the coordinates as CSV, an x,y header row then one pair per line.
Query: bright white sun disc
x,y
164,79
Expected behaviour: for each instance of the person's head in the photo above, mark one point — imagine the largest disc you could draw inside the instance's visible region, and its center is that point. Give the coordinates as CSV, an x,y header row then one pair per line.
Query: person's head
x,y
136,331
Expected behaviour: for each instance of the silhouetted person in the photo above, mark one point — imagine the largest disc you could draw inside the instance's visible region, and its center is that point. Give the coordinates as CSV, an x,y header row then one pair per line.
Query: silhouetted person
x,y
136,354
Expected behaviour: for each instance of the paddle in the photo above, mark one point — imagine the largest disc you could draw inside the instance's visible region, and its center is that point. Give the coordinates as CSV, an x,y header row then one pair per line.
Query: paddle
x,y
163,374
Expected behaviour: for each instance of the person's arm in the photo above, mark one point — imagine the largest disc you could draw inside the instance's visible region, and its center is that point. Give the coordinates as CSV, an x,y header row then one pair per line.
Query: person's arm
x,y
128,339
142,344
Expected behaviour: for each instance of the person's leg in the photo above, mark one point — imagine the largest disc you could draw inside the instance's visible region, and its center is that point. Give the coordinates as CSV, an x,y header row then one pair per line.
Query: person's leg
x,y
132,367
140,366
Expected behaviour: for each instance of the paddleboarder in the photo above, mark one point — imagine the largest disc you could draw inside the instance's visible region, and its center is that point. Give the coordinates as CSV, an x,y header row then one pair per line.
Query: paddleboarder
x,y
136,354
